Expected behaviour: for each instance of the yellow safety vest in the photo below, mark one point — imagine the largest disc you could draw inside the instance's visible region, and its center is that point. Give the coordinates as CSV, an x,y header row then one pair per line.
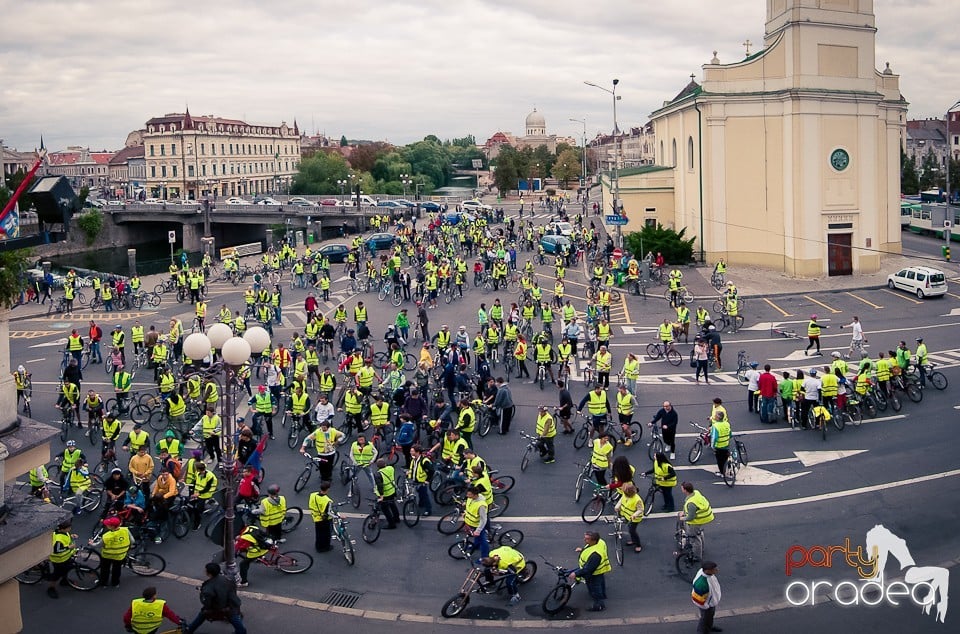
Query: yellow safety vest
x,y
116,544
319,507
629,505
387,486
598,403
325,442
723,434
601,549
379,414
704,514
661,475
66,551
813,329
625,403
600,458
273,512
545,426
146,616
471,513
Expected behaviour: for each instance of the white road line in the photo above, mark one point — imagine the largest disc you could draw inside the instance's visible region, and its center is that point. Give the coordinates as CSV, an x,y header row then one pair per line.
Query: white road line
x,y
782,430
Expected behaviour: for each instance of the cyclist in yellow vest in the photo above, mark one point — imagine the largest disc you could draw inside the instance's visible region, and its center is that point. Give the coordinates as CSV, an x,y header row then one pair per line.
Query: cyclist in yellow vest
x,y
146,614
117,541
61,557
604,363
506,562
630,508
883,373
386,490
829,387
593,565
598,407
664,477
602,449
325,441
272,510
696,510
720,437
813,335
546,433
250,545
475,520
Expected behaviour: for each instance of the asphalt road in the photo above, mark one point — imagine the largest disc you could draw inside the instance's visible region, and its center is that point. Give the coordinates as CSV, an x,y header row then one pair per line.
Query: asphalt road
x,y
898,470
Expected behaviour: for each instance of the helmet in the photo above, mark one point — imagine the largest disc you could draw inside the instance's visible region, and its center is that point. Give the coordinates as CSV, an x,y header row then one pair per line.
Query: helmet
x,y
813,372
133,490
197,454
813,317
21,369
274,489
754,364
170,434
71,443
117,327
729,283
835,354
919,339
262,389
864,355
112,522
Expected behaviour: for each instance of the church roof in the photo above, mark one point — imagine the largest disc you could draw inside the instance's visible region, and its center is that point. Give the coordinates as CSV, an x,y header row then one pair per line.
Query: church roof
x,y
693,88
535,120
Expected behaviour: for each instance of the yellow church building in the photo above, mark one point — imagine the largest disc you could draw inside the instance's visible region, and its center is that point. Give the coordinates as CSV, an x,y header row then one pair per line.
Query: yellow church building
x,y
788,159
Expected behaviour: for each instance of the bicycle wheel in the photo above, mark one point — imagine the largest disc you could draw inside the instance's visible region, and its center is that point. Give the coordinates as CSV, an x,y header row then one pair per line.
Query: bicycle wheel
x,y
557,599
881,401
822,423
64,430
742,375
291,519
354,493
730,472
838,421
581,481
895,402
444,496
499,506
686,296
674,358
854,413
619,538
348,552
914,393
450,523
460,549
83,577
653,351
512,537
371,528
869,406
33,575
147,564
411,512
455,606
695,452
294,562
344,473
527,573
181,523
580,440
649,500
94,431
525,460
655,447
94,495
939,380
593,510
688,560
302,479
486,423
503,484
742,453
636,432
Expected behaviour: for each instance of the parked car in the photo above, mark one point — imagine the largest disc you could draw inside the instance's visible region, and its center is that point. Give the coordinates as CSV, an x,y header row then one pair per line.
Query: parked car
x,y
267,201
554,244
381,240
115,203
328,202
455,217
300,201
475,205
391,204
922,281
233,200
429,205
337,253
404,202
152,201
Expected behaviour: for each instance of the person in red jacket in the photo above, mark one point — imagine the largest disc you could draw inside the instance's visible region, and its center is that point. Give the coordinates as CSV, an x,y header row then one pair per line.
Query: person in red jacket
x,y
96,334
767,383
147,619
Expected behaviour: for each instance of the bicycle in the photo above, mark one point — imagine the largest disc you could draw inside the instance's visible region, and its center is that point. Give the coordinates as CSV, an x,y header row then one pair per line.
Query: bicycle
x,y
291,562
689,553
720,304
683,294
533,445
933,375
408,500
83,574
478,582
585,475
66,420
703,438
656,444
743,365
371,523
142,563
340,534
558,597
348,476
313,462
898,383
618,531
717,280
726,321
463,547
734,460
660,349
593,509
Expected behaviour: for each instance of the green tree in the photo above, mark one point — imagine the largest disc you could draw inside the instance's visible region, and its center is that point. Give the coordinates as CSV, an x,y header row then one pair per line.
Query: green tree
x,y
567,167
929,171
84,194
343,141
429,159
363,157
506,174
90,222
13,275
909,180
545,160
319,174
674,247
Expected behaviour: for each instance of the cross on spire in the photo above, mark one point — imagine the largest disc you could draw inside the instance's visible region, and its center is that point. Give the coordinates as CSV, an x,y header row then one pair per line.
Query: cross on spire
x,y
748,44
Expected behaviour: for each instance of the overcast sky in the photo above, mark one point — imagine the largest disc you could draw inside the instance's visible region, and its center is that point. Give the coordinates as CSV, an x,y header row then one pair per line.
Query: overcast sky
x,y
86,73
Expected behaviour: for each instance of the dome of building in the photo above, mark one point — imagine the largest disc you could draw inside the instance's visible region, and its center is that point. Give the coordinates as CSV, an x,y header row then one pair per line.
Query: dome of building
x,y
536,120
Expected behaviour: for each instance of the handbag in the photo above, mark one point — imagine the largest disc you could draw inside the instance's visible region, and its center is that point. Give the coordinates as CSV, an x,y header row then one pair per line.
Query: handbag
x,y
693,360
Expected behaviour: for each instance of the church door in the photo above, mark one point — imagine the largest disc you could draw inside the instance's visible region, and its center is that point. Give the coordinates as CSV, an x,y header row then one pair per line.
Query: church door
x,y
840,254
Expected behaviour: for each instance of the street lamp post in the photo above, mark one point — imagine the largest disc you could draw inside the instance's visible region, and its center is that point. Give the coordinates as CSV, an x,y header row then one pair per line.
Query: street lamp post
x,y
235,351
405,180
163,190
614,175
342,183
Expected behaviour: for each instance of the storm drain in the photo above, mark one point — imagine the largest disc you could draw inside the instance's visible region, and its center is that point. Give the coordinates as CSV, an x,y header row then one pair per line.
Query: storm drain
x,y
341,598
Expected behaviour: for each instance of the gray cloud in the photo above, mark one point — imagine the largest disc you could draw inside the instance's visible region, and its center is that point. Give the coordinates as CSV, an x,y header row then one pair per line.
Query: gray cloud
x,y
89,72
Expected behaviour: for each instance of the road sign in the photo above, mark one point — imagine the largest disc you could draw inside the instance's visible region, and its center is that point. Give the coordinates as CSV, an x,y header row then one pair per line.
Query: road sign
x,y
615,220
618,253
172,237
477,163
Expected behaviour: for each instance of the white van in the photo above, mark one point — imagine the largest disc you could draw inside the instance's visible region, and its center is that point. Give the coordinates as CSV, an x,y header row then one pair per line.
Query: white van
x,y
922,281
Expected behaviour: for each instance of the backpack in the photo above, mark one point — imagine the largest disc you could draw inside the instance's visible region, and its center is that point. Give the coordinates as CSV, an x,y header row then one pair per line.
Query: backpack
x,y
406,434
175,468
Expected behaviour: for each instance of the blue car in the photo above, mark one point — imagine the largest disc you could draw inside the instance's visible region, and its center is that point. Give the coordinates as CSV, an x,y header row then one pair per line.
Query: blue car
x,y
454,217
392,204
380,241
429,205
554,244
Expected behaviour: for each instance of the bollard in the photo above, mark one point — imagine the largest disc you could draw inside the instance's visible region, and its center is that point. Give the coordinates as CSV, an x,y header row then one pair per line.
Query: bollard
x,y
132,261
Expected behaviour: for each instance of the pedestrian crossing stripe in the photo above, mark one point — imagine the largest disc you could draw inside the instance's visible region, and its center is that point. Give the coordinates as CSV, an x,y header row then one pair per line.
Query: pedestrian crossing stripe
x,y
33,334
87,316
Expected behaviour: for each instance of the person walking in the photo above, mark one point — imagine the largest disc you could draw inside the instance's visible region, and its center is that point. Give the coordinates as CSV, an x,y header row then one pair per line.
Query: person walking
x,y
593,565
813,335
720,438
767,384
630,508
667,418
705,594
386,490
857,338
503,403
701,356
319,506
218,599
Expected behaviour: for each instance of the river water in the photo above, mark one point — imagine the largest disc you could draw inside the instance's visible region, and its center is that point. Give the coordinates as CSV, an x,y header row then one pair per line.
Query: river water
x,y
153,257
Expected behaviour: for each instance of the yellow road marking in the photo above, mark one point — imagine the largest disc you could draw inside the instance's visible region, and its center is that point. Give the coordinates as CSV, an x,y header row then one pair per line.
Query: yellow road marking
x,y
901,296
780,310
626,311
868,303
32,334
566,280
832,310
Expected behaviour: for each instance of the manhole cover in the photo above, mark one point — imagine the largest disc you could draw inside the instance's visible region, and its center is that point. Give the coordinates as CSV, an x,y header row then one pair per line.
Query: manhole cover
x,y
341,598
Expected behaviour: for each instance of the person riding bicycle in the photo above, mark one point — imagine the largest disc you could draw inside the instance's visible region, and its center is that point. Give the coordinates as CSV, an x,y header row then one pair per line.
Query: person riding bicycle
x,y
93,404
598,406
506,562
252,543
696,512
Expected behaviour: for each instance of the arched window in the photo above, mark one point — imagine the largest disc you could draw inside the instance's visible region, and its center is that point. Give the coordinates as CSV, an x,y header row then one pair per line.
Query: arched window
x,y
673,155
690,153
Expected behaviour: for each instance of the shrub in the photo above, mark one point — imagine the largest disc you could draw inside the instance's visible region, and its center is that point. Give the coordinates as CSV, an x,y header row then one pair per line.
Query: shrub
x,y
673,246
90,222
